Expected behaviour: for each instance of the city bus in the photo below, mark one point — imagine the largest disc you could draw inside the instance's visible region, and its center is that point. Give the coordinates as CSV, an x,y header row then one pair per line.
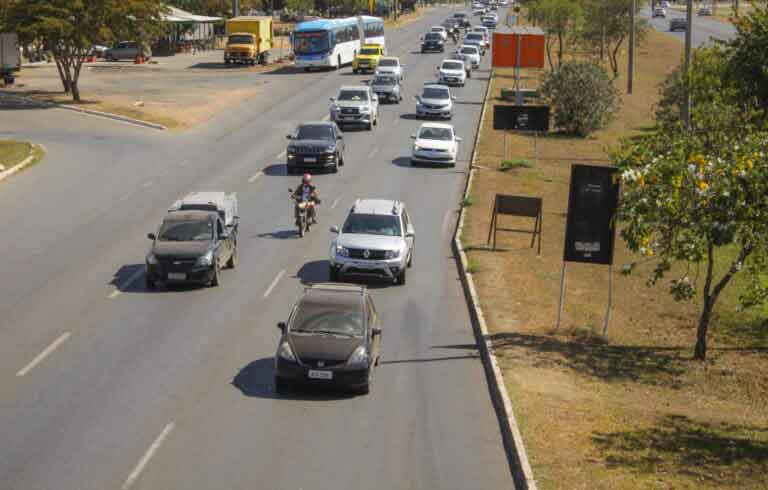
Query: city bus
x,y
331,43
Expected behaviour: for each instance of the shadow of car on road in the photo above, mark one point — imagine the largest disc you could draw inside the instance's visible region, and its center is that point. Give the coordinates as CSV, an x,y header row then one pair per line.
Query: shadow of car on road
x,y
276,170
130,279
257,380
279,235
313,272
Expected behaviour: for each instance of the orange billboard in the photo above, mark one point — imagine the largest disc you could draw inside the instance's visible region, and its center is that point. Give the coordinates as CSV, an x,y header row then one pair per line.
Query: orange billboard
x,y
504,49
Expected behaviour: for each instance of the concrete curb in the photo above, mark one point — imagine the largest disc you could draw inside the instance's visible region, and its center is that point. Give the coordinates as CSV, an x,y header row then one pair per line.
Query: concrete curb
x,y
91,112
510,432
20,166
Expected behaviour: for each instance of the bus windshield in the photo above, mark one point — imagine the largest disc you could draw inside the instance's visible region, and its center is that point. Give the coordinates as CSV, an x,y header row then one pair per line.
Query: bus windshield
x,y
310,42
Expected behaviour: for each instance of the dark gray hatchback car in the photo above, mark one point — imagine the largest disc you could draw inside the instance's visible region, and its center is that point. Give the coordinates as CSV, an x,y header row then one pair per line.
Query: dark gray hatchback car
x,y
333,337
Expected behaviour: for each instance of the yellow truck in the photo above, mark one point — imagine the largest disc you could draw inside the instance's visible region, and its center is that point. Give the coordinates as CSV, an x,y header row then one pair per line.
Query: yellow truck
x,y
367,59
249,40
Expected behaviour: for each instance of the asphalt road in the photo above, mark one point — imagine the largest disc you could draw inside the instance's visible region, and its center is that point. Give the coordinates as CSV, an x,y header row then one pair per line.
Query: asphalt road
x,y
704,29
104,385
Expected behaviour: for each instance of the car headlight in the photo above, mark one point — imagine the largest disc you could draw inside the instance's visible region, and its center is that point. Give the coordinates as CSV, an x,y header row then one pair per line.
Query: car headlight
x,y
151,259
365,110
359,357
342,251
330,148
206,259
285,352
392,254
417,148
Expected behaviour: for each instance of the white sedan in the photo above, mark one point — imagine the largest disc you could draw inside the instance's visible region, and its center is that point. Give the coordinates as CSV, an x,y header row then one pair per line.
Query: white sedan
x,y
452,72
435,144
440,30
470,55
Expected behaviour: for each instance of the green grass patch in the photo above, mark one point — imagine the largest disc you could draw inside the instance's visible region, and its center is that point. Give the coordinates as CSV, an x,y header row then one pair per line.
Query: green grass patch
x,y
515,163
13,152
473,266
468,201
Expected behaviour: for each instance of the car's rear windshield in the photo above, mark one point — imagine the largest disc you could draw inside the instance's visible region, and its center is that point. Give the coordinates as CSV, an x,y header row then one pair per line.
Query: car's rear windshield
x,y
438,29
432,36
435,93
240,39
441,134
372,224
459,15
353,95
448,65
469,50
318,318
474,35
186,231
369,51
384,81
314,132
387,62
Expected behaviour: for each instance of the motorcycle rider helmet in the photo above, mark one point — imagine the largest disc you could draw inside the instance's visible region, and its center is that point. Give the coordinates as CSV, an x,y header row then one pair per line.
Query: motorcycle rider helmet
x,y
306,179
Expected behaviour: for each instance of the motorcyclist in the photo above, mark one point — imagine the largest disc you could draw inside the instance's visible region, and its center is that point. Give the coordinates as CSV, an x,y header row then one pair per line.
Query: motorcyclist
x,y
455,36
306,192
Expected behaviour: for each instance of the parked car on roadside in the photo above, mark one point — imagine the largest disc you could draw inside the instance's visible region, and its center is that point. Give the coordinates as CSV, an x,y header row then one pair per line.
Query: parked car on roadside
x,y
126,50
315,146
332,338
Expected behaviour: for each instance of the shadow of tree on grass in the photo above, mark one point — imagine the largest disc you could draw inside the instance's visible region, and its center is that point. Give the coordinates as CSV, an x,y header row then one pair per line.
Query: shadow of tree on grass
x,y
593,357
716,452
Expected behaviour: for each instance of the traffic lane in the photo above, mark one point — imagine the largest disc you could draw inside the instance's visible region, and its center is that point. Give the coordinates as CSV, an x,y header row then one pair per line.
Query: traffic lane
x,y
704,30
118,343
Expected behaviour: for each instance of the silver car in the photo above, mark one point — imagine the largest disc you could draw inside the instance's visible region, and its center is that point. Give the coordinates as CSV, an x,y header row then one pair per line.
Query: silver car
x,y
126,50
470,55
387,87
435,101
377,240
390,65
355,105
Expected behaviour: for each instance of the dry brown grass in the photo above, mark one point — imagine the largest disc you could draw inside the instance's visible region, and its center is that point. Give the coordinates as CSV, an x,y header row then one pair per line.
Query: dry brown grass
x,y
632,411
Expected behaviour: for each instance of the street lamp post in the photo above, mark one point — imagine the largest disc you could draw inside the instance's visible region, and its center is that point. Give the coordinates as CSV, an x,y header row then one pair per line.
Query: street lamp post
x,y
686,110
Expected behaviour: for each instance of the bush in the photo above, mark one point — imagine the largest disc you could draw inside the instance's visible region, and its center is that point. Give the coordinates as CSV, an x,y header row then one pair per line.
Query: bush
x,y
581,95
515,163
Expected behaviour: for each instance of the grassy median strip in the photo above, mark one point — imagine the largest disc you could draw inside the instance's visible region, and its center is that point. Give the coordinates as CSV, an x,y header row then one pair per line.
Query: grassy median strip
x,y
14,152
631,410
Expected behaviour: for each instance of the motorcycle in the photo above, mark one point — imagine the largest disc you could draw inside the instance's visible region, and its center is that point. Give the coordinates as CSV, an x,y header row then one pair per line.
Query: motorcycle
x,y
302,211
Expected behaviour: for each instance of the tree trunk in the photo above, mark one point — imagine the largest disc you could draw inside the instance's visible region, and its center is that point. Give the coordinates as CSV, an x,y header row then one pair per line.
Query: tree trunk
x,y
63,77
559,48
548,44
602,44
700,351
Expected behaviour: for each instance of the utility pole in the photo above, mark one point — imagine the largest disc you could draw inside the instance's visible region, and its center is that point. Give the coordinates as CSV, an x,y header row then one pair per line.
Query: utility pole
x,y
686,112
631,66
235,8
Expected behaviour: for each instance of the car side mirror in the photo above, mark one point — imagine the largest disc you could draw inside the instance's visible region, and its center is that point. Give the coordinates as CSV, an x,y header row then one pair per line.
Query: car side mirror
x,y
375,331
339,137
458,138
334,229
289,136
413,136
333,99
151,236
281,326
453,97
290,190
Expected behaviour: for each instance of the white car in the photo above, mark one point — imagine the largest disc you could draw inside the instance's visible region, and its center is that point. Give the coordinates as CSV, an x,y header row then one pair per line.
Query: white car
x,y
390,65
452,72
478,11
476,39
435,101
440,30
355,106
376,240
435,144
659,12
470,55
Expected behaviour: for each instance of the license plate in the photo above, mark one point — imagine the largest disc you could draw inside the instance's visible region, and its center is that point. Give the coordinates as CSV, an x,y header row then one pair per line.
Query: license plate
x,y
313,374
177,276
310,159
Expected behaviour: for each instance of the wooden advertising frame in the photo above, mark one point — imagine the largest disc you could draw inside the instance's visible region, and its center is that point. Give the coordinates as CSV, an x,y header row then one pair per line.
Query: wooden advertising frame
x,y
523,206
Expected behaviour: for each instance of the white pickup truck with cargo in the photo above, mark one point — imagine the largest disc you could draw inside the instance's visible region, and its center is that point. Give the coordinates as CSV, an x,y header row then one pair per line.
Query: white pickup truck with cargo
x,y
10,57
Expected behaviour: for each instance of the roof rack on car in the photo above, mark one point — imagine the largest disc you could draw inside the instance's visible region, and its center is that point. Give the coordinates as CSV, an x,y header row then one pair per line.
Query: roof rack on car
x,y
335,286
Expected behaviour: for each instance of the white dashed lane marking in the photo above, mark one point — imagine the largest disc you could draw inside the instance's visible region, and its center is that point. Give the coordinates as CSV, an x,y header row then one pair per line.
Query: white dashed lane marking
x,y
274,283
47,352
136,473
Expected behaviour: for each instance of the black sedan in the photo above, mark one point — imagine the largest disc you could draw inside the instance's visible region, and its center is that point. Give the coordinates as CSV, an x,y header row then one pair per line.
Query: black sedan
x,y
332,338
315,146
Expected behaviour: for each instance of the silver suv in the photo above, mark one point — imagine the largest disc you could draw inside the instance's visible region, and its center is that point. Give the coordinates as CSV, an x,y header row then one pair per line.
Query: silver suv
x,y
377,240
355,105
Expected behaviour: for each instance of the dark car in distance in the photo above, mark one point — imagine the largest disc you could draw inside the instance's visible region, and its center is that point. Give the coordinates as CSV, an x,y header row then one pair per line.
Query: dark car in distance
x,y
332,338
432,41
190,247
678,23
315,146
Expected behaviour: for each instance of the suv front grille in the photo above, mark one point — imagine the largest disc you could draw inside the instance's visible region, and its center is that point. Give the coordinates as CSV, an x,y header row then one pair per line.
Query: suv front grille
x,y
350,110
313,362
359,253
309,150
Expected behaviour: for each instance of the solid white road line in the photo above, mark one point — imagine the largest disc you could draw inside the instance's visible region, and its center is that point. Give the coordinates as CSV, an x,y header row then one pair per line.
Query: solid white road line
x,y
373,152
255,176
280,155
119,288
148,456
146,184
274,283
47,352
335,202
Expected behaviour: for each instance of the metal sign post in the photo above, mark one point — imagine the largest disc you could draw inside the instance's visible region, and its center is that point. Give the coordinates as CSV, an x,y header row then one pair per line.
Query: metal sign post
x,y
562,296
519,93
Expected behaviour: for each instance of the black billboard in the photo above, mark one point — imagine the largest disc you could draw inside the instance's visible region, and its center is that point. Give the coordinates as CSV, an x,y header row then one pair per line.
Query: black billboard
x,y
521,118
592,203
